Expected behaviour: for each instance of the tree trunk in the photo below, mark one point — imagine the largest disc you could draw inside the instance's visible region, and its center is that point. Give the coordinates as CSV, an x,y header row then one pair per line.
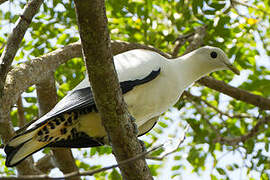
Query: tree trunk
x,y
92,22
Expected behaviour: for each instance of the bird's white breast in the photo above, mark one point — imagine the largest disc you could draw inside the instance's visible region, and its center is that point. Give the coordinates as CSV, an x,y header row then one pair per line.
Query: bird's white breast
x,y
152,98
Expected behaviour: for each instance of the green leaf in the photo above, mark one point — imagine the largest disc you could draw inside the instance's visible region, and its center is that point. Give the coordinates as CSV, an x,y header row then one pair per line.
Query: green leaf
x,y
114,175
221,171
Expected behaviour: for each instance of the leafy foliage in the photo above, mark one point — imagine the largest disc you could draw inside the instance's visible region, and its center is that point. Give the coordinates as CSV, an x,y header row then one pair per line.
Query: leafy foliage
x,y
239,29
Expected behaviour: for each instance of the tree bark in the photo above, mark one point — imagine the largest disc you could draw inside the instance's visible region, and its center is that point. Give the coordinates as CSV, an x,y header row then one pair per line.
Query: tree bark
x,y
47,99
15,39
6,59
92,22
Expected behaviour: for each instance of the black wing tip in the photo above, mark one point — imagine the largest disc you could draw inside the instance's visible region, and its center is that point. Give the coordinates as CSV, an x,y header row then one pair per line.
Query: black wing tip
x,y
8,149
10,152
82,140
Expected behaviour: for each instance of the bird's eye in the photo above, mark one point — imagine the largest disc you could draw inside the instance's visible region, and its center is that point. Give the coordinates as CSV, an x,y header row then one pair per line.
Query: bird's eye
x,y
213,54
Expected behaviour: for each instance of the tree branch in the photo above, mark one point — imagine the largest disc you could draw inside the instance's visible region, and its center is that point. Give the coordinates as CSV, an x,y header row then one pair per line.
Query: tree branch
x,y
180,141
47,99
197,40
239,94
2,1
252,133
15,39
180,41
46,163
236,2
200,100
21,119
86,173
6,59
121,130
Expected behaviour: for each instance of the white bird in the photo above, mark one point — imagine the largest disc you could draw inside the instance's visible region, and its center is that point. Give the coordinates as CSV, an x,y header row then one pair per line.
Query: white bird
x,y
150,83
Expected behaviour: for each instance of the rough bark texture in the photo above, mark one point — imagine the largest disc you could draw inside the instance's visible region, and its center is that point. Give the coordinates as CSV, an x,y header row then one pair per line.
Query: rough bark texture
x,y
45,164
15,39
6,59
92,21
47,99
20,109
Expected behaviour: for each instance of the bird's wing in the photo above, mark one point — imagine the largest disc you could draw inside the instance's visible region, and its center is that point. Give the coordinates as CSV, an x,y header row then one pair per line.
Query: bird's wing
x,y
127,64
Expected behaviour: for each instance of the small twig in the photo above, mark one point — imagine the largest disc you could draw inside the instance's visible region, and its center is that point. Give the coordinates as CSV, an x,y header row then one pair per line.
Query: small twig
x,y
253,132
2,46
199,99
205,117
180,41
86,173
197,39
15,39
181,140
235,140
235,2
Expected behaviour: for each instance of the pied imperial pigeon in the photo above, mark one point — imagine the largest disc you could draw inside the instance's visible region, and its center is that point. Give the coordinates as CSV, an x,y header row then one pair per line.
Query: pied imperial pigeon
x,y
150,85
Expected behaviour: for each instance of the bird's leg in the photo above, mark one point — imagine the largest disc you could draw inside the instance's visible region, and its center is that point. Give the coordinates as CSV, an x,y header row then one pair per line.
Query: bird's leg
x,y
143,146
133,122
136,131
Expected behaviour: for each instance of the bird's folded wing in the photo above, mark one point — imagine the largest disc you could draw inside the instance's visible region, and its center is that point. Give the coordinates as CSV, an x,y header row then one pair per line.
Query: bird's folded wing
x,y
83,99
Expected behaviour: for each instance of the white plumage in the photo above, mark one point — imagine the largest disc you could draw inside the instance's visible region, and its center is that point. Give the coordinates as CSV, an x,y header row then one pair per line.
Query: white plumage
x,y
150,83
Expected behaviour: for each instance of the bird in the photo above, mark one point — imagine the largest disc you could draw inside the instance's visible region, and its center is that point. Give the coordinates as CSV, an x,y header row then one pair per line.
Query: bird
x,y
150,85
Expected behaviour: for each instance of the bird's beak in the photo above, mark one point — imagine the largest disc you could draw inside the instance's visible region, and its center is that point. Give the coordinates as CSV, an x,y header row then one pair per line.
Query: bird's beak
x,y
233,69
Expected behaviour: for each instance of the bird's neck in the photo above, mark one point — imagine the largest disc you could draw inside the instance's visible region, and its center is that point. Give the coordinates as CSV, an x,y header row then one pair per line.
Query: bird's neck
x,y
189,70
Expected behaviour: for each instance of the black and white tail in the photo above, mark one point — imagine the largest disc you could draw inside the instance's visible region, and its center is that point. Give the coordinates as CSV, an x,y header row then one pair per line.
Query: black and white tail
x,y
22,146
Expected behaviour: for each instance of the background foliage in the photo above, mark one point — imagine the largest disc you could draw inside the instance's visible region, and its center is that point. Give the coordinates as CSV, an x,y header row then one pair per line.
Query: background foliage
x,y
237,27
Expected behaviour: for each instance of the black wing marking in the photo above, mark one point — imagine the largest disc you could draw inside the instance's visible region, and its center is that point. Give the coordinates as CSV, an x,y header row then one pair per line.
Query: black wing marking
x,y
83,100
80,140
127,86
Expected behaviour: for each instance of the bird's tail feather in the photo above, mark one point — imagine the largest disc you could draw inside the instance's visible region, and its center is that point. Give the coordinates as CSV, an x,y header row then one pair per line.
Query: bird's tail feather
x,y
22,146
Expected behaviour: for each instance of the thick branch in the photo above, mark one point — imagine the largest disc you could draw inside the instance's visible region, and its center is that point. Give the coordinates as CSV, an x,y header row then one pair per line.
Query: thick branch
x,y
45,164
2,1
21,119
92,21
6,59
47,98
236,93
15,39
32,72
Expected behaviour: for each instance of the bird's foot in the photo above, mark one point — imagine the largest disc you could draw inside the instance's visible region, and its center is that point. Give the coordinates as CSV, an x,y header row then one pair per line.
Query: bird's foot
x,y
143,146
133,122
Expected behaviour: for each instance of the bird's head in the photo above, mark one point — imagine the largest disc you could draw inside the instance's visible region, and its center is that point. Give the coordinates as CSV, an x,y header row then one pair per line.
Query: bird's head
x,y
216,58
